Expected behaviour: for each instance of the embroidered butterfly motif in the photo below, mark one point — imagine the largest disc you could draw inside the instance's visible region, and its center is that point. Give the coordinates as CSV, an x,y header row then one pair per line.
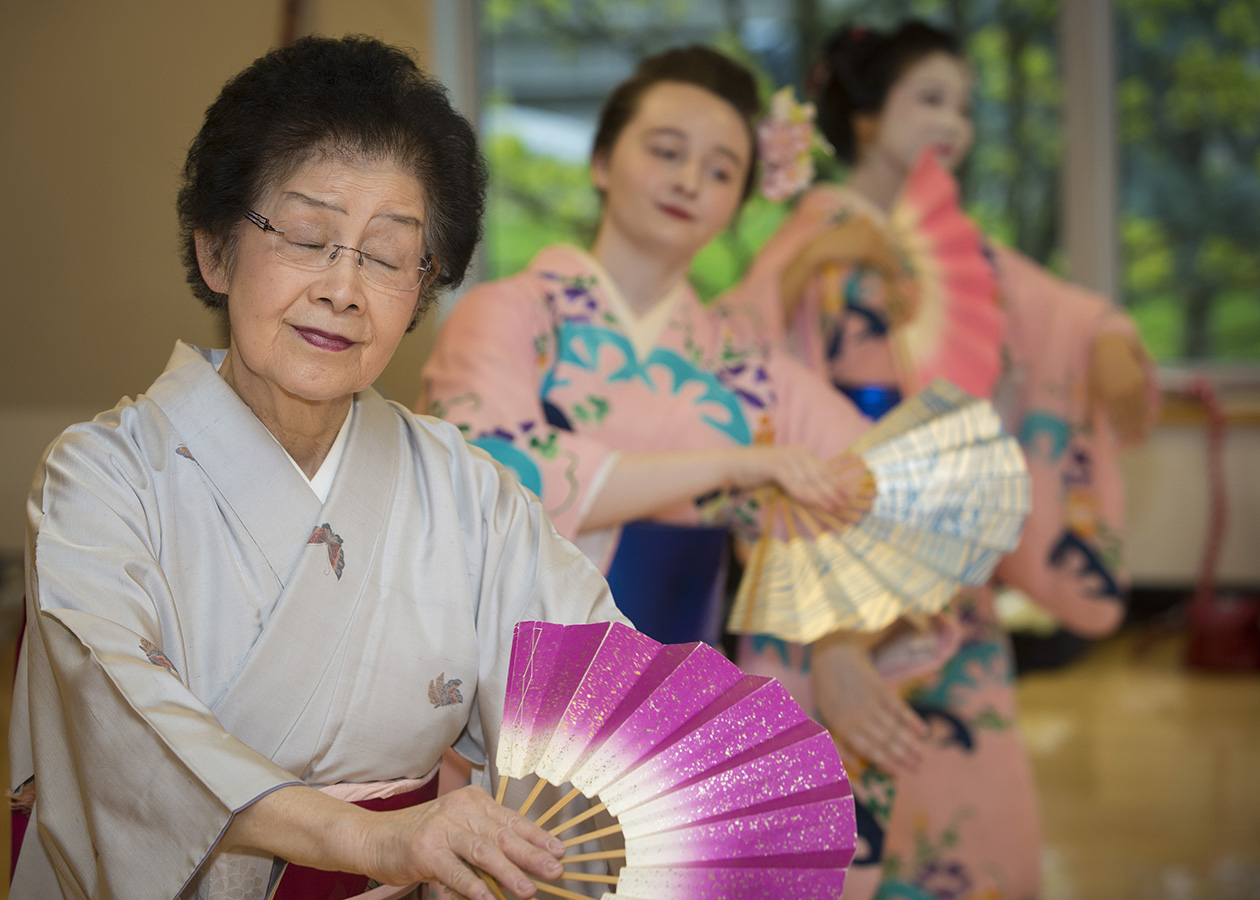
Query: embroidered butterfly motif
x,y
156,656
323,534
445,693
183,451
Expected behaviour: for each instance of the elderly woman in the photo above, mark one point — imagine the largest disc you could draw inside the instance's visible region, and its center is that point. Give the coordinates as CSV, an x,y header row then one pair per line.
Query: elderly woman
x,y
259,577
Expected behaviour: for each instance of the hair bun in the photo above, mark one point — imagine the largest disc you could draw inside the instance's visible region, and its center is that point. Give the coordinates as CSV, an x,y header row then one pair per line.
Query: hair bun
x,y
859,66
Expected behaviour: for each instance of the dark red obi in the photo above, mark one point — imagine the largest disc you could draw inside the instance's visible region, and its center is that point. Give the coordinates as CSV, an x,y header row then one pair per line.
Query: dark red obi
x,y
301,883
18,820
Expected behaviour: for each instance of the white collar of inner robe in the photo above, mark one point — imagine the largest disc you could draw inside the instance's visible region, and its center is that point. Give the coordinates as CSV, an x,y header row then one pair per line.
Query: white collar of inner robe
x,y
644,331
321,484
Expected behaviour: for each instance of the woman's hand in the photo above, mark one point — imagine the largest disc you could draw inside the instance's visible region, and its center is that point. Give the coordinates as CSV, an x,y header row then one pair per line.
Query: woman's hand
x,y
863,712
1117,382
443,841
842,486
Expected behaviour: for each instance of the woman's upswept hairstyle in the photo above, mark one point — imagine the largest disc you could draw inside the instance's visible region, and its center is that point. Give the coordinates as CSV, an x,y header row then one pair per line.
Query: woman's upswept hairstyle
x,y
352,98
858,69
696,65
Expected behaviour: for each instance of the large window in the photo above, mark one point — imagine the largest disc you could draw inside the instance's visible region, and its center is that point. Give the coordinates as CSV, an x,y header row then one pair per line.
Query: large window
x,y
1188,98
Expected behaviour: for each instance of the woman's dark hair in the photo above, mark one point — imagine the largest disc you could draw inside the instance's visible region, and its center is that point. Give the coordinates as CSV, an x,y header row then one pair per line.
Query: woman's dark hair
x,y
697,65
860,66
351,98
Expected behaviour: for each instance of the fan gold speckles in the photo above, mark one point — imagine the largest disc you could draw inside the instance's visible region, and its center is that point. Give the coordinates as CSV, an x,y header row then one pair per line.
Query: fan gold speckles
x,y
720,784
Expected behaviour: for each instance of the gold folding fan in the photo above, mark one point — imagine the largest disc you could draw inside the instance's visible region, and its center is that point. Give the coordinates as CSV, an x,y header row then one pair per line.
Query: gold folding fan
x,y
951,497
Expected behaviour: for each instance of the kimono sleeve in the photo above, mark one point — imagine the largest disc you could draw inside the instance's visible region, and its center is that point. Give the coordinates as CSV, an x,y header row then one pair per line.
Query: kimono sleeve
x,y
485,376
759,292
839,330
1070,559
519,569
816,330
129,764
810,411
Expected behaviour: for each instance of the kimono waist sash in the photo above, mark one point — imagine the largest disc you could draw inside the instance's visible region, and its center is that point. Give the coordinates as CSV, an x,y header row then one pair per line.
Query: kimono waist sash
x,y
874,400
301,883
669,580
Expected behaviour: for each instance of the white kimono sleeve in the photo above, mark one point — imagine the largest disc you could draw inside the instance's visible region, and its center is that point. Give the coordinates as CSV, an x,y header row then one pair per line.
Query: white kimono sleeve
x,y
136,778
528,571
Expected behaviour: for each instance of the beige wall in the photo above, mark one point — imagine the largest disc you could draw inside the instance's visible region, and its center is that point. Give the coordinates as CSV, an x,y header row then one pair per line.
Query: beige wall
x,y
99,104
1169,507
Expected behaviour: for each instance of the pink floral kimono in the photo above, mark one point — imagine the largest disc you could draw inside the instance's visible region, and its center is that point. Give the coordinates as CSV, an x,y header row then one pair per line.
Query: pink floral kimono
x,y
551,373
965,826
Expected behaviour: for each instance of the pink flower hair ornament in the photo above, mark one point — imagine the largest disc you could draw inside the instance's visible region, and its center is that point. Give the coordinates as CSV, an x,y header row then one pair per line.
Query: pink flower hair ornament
x,y
786,140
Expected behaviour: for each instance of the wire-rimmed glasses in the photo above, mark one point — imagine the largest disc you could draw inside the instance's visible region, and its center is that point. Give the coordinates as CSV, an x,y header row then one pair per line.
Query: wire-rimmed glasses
x,y
387,260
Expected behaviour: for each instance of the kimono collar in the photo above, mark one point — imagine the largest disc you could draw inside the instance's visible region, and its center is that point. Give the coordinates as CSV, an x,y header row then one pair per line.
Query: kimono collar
x,y
321,484
322,481
251,471
643,330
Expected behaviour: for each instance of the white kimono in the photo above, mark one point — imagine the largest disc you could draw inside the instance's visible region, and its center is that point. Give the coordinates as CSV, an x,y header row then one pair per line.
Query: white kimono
x,y
201,630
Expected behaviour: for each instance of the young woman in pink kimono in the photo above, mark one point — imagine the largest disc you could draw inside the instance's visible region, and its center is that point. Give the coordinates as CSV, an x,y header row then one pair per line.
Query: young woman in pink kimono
x,y
640,416
1074,382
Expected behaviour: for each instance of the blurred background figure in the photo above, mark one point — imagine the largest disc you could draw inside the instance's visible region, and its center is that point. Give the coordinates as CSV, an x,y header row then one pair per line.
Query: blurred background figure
x,y
643,418
873,314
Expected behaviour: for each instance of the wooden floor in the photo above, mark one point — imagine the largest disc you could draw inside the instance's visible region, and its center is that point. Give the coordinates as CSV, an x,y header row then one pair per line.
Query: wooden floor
x,y
1149,773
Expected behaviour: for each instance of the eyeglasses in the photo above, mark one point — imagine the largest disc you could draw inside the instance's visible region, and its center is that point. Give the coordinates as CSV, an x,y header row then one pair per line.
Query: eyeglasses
x,y
388,260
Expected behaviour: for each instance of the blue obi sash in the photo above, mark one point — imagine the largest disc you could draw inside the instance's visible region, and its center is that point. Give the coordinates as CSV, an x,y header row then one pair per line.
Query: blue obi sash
x,y
670,580
874,400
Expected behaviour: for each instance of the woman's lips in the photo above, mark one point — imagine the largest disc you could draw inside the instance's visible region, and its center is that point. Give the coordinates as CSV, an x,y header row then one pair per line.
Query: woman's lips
x,y
323,340
677,212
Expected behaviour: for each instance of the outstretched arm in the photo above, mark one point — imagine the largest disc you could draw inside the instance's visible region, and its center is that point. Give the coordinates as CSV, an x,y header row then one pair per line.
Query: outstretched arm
x,y
642,484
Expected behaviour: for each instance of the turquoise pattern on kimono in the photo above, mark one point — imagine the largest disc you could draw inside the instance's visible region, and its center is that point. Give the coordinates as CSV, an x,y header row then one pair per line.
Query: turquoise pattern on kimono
x,y
579,344
1056,430
761,641
985,657
512,458
902,890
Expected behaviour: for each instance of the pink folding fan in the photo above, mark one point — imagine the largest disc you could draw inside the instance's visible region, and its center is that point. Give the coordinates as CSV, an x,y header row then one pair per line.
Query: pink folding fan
x,y
720,784
957,328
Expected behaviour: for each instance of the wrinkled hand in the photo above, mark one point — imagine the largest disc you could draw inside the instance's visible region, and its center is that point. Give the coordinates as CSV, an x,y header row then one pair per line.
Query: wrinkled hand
x,y
1117,382
863,712
854,242
445,839
842,486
